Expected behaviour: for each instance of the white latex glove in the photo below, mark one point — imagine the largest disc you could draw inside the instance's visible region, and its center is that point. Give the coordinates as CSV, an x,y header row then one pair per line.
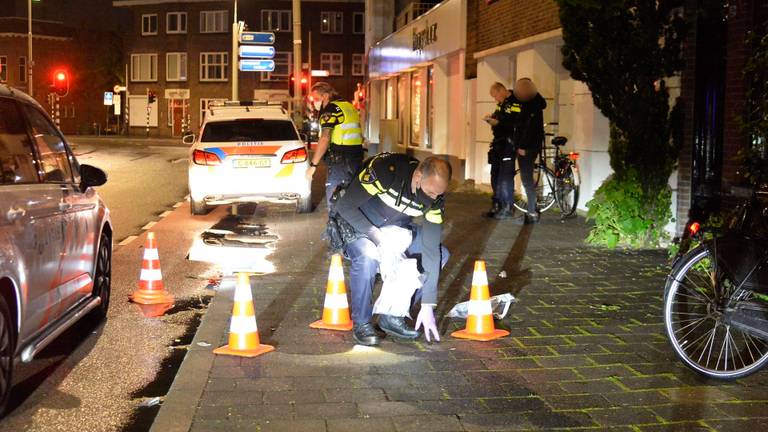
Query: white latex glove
x,y
426,319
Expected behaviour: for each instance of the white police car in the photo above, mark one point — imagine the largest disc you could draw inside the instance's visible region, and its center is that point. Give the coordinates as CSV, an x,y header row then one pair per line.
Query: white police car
x,y
248,152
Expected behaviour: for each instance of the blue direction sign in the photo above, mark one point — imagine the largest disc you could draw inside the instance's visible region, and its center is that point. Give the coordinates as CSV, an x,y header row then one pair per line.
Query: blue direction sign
x,y
257,65
258,38
257,51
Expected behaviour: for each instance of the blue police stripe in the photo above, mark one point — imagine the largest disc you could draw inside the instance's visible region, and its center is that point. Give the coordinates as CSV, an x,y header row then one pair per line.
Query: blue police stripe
x,y
217,151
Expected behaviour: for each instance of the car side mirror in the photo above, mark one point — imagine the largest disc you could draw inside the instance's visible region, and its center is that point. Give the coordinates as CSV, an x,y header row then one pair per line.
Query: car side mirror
x,y
303,136
188,139
91,176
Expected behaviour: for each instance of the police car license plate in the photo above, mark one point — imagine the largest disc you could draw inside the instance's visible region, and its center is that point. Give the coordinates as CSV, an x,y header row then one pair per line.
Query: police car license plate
x,y
253,163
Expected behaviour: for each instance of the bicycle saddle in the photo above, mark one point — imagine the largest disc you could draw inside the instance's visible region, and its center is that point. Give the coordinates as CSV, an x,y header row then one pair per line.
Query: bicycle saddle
x,y
559,141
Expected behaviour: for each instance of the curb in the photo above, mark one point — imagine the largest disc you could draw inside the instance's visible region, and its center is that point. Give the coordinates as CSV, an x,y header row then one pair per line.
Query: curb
x,y
180,404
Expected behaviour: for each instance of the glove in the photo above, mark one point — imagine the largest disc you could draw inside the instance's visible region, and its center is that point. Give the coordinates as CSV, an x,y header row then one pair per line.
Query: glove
x,y
426,319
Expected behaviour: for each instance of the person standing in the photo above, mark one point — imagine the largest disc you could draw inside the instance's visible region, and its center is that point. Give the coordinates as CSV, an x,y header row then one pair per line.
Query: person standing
x,y
501,155
341,139
528,137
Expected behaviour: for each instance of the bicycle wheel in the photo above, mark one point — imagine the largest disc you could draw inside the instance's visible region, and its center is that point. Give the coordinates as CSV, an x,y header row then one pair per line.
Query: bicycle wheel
x,y
567,191
544,179
701,335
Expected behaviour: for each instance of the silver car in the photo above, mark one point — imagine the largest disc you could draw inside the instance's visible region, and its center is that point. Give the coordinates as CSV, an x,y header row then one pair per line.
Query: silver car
x,y
55,235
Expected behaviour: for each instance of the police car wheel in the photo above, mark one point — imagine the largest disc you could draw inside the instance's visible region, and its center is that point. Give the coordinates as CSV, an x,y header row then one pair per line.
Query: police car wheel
x,y
304,205
197,207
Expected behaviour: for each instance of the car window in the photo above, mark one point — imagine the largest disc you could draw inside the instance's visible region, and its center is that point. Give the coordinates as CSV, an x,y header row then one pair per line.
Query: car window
x,y
249,130
16,156
54,157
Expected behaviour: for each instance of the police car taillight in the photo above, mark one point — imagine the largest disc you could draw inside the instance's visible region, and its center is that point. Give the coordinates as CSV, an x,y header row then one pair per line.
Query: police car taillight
x,y
295,156
200,157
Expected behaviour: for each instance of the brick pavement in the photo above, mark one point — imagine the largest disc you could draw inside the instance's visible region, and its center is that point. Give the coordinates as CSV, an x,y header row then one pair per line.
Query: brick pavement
x,y
586,349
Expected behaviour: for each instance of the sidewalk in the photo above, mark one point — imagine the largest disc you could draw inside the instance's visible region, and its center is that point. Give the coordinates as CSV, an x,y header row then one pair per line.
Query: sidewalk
x,y
570,362
125,140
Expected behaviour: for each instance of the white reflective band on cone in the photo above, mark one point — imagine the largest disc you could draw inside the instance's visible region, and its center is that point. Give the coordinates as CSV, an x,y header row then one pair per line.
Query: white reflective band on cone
x,y
479,307
336,301
480,278
151,254
242,325
150,275
336,274
243,294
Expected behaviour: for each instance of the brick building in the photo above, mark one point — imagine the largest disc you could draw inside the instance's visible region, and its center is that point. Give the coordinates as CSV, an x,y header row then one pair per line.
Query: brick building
x,y
181,50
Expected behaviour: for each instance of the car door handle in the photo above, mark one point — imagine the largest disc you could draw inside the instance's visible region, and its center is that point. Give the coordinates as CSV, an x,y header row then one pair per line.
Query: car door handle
x,y
15,214
64,206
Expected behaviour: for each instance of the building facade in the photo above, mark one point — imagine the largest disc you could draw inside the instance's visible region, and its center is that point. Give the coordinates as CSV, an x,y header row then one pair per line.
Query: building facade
x,y
181,51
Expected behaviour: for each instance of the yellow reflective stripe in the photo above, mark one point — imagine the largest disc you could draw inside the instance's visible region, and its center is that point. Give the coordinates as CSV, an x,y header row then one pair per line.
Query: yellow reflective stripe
x,y
371,189
434,216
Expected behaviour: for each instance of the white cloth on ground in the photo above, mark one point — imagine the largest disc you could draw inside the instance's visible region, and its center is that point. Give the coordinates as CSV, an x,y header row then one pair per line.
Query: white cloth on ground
x,y
400,274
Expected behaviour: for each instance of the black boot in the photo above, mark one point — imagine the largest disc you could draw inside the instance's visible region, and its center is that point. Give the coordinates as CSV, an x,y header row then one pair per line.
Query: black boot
x,y
505,212
365,334
495,207
396,327
532,219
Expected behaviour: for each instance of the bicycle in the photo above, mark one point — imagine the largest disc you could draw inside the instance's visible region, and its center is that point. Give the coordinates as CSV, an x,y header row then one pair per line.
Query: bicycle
x,y
561,184
715,302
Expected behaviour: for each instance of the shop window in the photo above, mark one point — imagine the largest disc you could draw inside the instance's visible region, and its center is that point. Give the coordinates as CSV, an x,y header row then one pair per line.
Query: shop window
x,y
417,94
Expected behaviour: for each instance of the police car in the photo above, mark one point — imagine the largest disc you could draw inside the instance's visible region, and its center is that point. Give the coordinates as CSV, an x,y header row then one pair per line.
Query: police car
x,y
248,152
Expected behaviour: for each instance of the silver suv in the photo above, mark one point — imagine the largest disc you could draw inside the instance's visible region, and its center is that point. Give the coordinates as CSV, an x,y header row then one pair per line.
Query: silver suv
x,y
55,235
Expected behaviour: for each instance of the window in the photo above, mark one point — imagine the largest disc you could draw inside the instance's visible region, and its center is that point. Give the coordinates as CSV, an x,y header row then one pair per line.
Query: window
x,y
143,67
276,21
176,66
176,22
3,68
402,107
204,103
214,21
358,22
358,65
249,130
416,96
332,62
213,66
283,65
22,69
331,22
16,159
54,158
149,25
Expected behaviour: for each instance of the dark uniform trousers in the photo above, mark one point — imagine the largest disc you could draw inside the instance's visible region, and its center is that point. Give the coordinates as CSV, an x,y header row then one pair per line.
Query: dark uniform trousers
x,y
506,178
342,165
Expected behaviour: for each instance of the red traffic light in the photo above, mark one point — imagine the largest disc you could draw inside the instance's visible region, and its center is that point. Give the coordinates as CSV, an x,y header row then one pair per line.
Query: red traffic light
x,y
61,76
60,84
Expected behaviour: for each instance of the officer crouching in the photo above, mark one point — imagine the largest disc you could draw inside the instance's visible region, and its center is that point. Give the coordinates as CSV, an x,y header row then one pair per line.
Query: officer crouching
x,y
393,190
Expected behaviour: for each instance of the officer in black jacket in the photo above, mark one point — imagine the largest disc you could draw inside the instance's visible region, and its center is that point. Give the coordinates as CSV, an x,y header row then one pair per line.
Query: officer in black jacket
x,y
528,138
502,149
394,190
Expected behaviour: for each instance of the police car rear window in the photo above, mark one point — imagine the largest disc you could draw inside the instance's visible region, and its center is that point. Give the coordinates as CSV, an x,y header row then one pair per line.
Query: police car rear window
x,y
249,130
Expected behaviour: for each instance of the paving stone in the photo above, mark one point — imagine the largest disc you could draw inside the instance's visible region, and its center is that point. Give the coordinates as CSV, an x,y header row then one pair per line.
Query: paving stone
x,y
622,416
360,424
427,423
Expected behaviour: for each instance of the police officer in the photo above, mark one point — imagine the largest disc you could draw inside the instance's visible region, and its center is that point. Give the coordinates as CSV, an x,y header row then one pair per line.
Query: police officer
x,y
393,190
501,153
341,138
528,137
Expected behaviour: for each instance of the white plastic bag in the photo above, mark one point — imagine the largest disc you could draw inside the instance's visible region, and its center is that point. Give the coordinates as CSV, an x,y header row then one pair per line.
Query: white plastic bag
x,y
499,304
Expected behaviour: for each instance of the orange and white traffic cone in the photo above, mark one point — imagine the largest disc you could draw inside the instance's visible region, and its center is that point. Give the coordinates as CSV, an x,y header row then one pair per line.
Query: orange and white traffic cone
x,y
336,307
480,313
151,290
243,331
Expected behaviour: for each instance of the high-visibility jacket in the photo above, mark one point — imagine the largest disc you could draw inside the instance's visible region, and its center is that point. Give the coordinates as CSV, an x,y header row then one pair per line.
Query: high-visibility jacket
x,y
343,118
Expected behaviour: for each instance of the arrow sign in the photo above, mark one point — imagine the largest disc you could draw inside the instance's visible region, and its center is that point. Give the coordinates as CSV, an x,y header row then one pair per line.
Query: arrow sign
x,y
257,51
259,38
257,65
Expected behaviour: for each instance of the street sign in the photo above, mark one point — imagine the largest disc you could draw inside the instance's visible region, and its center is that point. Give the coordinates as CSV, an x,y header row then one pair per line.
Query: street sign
x,y
257,65
118,88
116,103
258,38
257,51
108,98
320,73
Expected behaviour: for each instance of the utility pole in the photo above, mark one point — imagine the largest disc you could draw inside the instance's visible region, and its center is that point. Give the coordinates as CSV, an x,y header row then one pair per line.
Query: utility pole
x,y
235,55
297,61
30,87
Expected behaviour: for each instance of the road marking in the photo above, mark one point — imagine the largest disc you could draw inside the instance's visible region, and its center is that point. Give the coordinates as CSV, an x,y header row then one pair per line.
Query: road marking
x,y
165,213
149,225
127,240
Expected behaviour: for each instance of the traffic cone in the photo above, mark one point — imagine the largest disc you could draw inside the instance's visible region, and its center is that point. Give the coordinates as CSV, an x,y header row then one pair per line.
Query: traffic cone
x,y
151,290
243,331
336,307
480,314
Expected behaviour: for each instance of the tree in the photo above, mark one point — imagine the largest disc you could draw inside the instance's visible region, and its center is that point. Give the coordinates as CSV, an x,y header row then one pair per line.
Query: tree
x,y
624,50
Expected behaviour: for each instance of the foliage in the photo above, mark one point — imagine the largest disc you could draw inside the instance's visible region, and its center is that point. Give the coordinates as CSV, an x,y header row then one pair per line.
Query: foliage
x,y
754,161
625,216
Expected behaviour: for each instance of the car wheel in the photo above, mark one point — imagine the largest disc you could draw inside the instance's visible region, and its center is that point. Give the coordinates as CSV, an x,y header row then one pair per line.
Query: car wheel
x,y
7,349
197,207
102,278
304,205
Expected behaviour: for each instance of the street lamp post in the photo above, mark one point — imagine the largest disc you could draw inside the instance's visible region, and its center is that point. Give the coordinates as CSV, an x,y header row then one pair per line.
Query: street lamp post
x,y
235,56
29,49
297,99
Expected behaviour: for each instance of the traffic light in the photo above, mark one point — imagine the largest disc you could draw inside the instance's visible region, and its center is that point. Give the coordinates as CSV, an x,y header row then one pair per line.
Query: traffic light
x,y
304,84
151,97
60,82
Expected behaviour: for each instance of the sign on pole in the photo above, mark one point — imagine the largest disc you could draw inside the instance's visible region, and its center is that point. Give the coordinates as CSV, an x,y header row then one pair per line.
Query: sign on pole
x,y
257,65
116,103
258,38
108,96
257,51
